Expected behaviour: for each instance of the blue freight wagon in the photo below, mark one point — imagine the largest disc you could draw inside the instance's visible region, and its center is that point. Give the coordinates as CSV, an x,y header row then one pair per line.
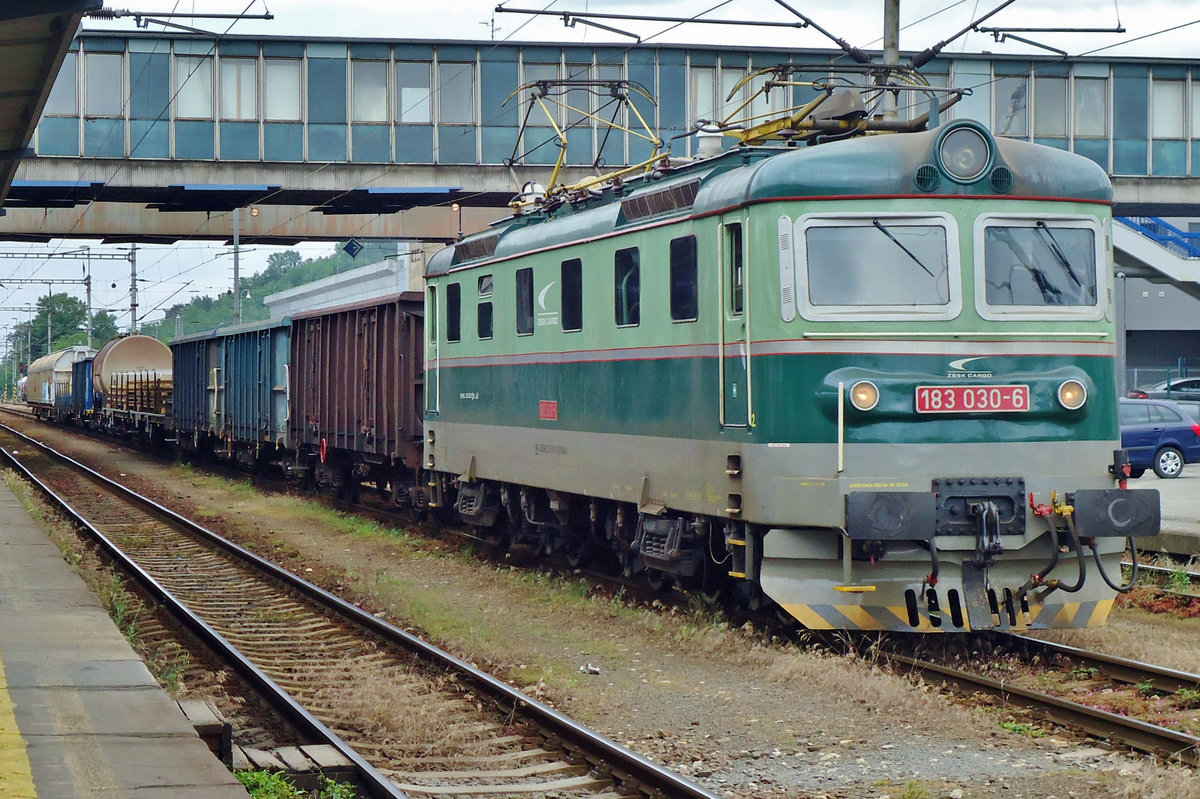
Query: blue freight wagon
x,y
231,392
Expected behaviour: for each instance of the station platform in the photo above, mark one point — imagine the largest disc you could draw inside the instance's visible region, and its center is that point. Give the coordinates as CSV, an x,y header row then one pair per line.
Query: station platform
x,y
80,714
1180,497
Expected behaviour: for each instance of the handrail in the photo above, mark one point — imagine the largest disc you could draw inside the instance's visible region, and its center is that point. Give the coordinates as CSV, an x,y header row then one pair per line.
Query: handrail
x,y
1163,233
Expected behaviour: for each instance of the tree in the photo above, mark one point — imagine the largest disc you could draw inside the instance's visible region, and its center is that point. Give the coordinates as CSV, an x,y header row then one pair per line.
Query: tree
x,y
66,318
280,262
59,314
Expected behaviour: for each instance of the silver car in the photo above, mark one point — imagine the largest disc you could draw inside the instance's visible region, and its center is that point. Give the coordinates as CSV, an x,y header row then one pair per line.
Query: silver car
x,y
1179,388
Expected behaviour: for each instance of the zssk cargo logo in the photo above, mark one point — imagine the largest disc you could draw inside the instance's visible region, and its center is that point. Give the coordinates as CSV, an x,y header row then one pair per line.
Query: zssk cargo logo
x,y
961,369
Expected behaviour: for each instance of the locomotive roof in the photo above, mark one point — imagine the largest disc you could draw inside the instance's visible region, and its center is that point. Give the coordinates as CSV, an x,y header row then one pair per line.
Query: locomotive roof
x,y
868,166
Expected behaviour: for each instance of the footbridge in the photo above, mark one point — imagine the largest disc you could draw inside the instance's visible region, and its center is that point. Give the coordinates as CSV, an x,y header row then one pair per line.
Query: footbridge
x,y
152,137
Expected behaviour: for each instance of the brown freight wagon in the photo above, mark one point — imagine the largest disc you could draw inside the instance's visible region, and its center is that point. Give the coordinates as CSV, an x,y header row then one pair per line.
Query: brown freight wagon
x,y
356,384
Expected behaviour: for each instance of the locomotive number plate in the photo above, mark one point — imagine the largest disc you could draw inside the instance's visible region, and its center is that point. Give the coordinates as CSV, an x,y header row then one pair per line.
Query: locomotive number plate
x,y
972,399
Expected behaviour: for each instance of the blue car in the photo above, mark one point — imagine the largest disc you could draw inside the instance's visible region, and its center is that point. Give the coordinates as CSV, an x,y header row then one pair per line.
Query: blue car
x,y
1159,435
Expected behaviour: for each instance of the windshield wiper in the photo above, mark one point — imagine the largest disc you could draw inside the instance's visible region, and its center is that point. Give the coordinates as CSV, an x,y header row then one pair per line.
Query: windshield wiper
x,y
900,244
1058,253
1051,293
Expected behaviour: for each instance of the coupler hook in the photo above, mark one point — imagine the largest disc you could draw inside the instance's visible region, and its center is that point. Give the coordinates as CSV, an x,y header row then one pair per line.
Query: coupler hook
x,y
989,544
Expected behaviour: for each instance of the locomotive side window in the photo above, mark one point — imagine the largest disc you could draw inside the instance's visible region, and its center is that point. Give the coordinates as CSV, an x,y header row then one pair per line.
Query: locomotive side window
x,y
453,312
525,301
685,301
892,267
431,326
483,313
733,253
572,295
628,287
1036,266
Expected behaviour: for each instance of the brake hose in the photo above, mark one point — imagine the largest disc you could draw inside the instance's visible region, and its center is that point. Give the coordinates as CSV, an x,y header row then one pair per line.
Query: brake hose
x,y
1080,555
1121,589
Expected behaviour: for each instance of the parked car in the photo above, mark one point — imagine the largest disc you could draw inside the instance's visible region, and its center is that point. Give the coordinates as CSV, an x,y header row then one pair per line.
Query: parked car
x,y
1179,388
1192,406
1159,435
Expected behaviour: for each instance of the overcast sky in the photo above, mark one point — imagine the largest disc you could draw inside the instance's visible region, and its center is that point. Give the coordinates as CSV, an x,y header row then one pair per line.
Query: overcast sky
x,y
185,270
859,22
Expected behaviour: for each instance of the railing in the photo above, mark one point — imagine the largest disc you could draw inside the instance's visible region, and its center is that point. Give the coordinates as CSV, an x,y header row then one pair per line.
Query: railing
x,y
1144,376
1183,244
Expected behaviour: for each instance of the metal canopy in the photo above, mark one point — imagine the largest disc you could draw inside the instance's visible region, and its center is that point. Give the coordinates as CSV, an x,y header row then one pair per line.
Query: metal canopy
x,y
210,197
34,38
226,197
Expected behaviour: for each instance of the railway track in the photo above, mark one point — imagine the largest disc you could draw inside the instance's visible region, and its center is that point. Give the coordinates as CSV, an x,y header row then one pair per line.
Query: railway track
x,y
327,667
1120,729
1127,703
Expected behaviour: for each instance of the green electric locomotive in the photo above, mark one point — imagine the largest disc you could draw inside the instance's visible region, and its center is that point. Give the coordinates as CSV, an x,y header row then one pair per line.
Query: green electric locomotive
x,y
871,381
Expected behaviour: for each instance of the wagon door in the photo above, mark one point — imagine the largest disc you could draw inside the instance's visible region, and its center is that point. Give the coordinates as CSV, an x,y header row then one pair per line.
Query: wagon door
x,y
734,346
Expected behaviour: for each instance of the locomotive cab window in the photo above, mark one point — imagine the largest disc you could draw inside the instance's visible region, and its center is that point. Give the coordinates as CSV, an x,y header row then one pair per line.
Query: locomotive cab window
x,y
572,295
483,312
525,302
733,253
685,302
453,312
1038,267
627,272
894,266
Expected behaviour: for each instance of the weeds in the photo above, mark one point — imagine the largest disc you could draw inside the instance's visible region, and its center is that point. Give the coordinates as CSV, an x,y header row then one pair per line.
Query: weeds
x,y
914,789
1179,580
1024,728
119,604
169,668
1188,697
336,790
277,785
1146,687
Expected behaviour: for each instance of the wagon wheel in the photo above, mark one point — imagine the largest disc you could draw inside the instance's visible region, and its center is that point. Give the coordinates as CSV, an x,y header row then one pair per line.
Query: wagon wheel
x,y
657,579
578,549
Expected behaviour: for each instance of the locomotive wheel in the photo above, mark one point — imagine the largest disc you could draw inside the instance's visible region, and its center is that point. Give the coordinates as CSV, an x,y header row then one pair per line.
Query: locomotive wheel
x,y
710,595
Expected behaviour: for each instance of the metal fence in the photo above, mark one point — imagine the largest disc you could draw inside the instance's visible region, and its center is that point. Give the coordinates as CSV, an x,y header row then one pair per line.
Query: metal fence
x,y
1138,378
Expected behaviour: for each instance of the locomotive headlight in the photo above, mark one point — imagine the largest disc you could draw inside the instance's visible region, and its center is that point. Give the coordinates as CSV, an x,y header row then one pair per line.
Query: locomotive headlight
x,y
1072,395
965,154
864,395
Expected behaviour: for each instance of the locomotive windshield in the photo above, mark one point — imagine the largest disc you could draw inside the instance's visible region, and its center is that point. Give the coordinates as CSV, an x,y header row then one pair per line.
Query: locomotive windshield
x,y
1040,263
877,262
